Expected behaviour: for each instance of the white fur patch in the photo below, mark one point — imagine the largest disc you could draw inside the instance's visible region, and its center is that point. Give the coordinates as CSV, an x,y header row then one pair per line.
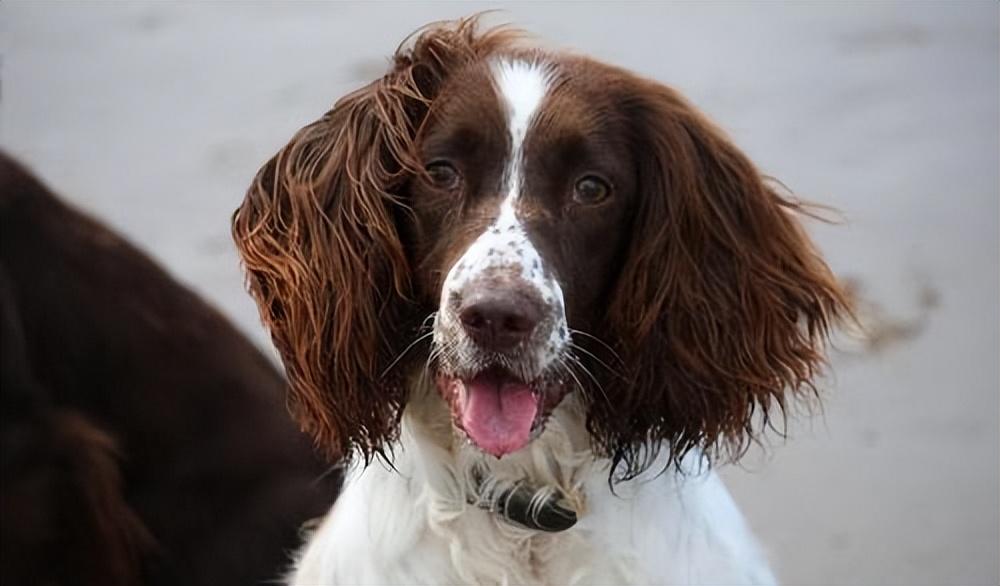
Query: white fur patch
x,y
522,86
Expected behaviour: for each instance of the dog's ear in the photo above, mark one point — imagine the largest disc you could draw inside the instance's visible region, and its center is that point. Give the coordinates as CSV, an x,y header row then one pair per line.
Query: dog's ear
x,y
317,234
723,306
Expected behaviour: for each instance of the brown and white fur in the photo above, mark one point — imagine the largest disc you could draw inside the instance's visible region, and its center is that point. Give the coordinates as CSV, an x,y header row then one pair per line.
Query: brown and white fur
x,y
499,267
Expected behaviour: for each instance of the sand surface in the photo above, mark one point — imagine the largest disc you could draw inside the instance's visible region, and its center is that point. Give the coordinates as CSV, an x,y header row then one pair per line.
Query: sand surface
x,y
155,117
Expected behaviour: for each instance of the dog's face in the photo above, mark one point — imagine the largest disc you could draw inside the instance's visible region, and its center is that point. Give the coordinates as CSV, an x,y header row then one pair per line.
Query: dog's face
x,y
569,226
522,217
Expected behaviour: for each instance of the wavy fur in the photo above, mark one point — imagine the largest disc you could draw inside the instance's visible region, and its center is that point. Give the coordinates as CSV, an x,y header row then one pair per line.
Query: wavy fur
x,y
318,236
724,305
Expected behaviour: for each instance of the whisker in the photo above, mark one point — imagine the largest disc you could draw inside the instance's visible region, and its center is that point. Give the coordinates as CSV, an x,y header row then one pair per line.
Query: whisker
x,y
436,351
574,360
566,368
599,341
407,349
575,346
430,318
562,364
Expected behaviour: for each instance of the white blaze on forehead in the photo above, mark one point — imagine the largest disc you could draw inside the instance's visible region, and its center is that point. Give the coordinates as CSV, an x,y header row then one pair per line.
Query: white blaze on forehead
x,y
522,86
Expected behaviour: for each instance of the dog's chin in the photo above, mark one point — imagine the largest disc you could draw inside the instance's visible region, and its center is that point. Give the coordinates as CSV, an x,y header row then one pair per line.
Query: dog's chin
x,y
497,411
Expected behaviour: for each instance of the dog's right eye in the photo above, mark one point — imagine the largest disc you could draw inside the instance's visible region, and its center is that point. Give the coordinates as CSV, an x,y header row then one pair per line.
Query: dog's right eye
x,y
591,190
443,175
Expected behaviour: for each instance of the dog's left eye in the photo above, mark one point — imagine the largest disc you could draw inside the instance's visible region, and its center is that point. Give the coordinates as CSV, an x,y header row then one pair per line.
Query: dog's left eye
x,y
443,175
590,190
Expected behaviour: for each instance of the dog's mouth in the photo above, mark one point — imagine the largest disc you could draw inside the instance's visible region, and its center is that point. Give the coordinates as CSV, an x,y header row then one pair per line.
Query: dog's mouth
x,y
499,412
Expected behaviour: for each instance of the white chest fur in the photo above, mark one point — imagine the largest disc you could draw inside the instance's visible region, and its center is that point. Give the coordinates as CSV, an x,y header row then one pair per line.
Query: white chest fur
x,y
412,526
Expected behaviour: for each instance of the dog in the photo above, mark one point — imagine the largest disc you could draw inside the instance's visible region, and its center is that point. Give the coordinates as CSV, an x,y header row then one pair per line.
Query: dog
x,y
144,439
531,297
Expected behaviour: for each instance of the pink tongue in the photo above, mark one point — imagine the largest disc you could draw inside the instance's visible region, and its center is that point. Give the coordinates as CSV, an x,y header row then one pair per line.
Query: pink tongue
x,y
498,415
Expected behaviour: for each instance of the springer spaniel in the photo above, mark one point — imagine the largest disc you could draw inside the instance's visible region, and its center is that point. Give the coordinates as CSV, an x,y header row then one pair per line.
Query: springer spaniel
x,y
544,293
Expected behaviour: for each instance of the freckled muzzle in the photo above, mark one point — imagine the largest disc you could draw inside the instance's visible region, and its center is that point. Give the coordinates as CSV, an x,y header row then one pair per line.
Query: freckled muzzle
x,y
499,339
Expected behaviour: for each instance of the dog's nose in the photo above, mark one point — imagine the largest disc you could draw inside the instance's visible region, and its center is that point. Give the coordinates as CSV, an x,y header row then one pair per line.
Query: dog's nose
x,y
499,317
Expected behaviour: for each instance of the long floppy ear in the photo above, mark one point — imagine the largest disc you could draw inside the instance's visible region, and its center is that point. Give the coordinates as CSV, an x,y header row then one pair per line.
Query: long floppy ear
x,y
322,252
724,305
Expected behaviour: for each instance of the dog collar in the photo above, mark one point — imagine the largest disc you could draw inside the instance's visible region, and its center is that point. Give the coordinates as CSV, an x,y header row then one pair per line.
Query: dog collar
x,y
526,506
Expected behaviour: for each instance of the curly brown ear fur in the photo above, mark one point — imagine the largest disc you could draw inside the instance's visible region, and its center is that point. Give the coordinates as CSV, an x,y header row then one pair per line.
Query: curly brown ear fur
x,y
323,255
724,305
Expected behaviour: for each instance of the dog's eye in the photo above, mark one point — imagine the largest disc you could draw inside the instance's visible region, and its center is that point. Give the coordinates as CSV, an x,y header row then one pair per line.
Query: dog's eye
x,y
443,175
591,190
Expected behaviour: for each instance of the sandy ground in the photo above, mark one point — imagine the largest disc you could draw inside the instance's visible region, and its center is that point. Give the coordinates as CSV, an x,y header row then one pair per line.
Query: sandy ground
x,y
155,117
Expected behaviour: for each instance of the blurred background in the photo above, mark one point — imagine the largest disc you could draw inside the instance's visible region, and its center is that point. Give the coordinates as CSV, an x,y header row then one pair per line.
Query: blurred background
x,y
154,117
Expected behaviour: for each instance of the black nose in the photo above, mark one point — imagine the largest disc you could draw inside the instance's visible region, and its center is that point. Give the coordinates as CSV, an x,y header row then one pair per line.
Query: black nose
x,y
499,317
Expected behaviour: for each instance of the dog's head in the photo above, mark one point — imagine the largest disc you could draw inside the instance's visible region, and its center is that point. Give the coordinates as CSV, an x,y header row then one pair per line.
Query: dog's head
x,y
521,225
